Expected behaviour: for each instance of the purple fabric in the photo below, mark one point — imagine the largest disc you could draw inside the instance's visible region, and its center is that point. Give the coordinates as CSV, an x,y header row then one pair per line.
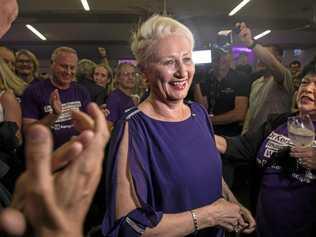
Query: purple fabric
x,y
286,206
174,165
117,103
35,105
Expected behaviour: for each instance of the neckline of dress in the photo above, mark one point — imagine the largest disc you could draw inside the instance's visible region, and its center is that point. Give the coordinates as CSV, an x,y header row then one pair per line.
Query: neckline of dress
x,y
192,115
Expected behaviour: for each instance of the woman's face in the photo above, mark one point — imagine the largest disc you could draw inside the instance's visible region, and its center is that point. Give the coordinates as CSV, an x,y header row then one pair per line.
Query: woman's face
x,y
101,76
171,70
24,65
306,95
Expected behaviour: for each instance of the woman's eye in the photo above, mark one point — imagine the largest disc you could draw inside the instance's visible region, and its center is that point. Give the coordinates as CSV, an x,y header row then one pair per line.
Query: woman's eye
x,y
187,60
169,62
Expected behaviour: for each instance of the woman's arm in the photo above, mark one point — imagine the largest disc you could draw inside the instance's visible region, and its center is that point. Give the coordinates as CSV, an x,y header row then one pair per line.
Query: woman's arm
x,y
220,213
12,110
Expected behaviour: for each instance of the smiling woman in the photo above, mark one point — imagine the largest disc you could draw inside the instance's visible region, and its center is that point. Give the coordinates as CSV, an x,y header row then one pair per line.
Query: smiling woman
x,y
164,170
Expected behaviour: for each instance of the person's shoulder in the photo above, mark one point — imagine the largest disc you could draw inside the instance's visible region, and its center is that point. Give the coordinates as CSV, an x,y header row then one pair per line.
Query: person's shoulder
x,y
75,85
39,87
196,107
7,96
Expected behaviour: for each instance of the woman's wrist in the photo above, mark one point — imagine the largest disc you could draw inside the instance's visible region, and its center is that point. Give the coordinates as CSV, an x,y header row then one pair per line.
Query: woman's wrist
x,y
59,233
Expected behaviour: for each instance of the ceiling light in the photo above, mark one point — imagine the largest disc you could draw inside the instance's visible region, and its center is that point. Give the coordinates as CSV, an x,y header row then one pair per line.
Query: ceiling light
x,y
36,32
262,34
239,6
85,5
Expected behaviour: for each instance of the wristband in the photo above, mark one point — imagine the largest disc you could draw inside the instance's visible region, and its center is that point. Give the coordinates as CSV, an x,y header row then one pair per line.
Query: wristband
x,y
253,45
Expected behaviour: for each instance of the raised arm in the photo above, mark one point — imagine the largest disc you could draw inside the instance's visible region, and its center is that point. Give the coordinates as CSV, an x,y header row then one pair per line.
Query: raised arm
x,y
279,71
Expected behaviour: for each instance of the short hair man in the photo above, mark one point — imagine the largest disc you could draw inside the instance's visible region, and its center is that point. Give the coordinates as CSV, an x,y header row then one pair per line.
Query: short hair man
x,y
50,102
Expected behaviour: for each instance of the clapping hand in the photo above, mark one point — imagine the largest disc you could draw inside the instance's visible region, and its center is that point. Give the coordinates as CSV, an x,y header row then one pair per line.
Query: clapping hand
x,y
55,204
55,102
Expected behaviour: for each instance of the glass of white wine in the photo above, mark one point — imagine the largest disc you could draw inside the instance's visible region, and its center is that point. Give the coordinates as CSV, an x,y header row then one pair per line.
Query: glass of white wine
x,y
301,131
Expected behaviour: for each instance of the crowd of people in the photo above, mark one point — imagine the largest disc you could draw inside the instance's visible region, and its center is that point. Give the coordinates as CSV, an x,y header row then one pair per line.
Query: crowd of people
x,y
159,148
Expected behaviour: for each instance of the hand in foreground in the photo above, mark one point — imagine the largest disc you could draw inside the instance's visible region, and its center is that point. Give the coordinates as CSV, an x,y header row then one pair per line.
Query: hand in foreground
x,y
56,204
227,215
306,156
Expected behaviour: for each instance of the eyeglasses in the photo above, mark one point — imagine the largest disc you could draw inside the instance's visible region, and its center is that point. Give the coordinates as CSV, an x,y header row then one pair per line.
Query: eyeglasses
x,y
24,61
133,74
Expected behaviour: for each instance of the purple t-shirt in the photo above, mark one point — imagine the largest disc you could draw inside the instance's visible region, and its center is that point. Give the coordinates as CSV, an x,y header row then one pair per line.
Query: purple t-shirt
x,y
286,205
35,105
117,103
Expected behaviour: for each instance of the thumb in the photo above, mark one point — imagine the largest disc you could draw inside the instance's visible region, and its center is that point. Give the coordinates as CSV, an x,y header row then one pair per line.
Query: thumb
x,y
12,222
38,152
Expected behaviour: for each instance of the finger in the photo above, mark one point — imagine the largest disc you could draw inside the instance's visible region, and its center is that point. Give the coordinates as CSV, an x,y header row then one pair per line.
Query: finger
x,y
97,116
65,154
38,152
82,121
227,226
12,222
85,138
57,95
101,128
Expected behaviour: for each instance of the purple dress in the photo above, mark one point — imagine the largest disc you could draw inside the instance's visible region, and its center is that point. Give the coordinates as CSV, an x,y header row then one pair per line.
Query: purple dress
x,y
175,167
117,103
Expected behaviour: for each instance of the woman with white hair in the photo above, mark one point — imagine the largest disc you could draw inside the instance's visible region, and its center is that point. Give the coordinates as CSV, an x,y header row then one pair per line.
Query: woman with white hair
x,y
164,173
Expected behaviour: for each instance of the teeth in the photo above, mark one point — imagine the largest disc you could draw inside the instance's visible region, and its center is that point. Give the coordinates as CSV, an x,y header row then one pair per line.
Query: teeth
x,y
178,83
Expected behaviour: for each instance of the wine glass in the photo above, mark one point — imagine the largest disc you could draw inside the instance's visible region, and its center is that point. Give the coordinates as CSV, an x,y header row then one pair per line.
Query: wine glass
x,y
302,133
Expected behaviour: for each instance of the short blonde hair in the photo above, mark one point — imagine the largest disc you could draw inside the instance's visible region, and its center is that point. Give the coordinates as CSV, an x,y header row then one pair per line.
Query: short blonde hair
x,y
60,50
31,56
156,27
85,69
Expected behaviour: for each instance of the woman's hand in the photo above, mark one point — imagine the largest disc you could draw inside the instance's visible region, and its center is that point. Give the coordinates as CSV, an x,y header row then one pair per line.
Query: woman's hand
x,y
248,219
227,215
306,156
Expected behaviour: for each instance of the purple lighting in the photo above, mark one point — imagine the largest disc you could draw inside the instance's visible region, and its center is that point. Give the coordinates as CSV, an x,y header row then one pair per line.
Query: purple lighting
x,y
242,49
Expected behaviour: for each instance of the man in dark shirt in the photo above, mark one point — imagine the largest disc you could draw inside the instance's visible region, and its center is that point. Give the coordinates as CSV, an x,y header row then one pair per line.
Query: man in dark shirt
x,y
224,93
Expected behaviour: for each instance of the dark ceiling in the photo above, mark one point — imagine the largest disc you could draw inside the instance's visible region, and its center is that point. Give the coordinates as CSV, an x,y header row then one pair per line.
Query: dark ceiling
x,y
109,23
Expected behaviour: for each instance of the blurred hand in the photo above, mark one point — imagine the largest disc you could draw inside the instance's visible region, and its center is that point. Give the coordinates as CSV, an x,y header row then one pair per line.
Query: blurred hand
x,y
227,215
55,102
56,204
102,52
105,111
306,155
245,34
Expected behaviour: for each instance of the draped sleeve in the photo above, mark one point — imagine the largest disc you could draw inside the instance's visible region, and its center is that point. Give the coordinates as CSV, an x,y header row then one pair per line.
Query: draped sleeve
x,y
135,222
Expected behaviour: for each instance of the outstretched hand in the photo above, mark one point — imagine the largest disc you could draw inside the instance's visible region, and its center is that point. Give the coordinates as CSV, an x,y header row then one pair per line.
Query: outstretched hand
x,y
55,204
